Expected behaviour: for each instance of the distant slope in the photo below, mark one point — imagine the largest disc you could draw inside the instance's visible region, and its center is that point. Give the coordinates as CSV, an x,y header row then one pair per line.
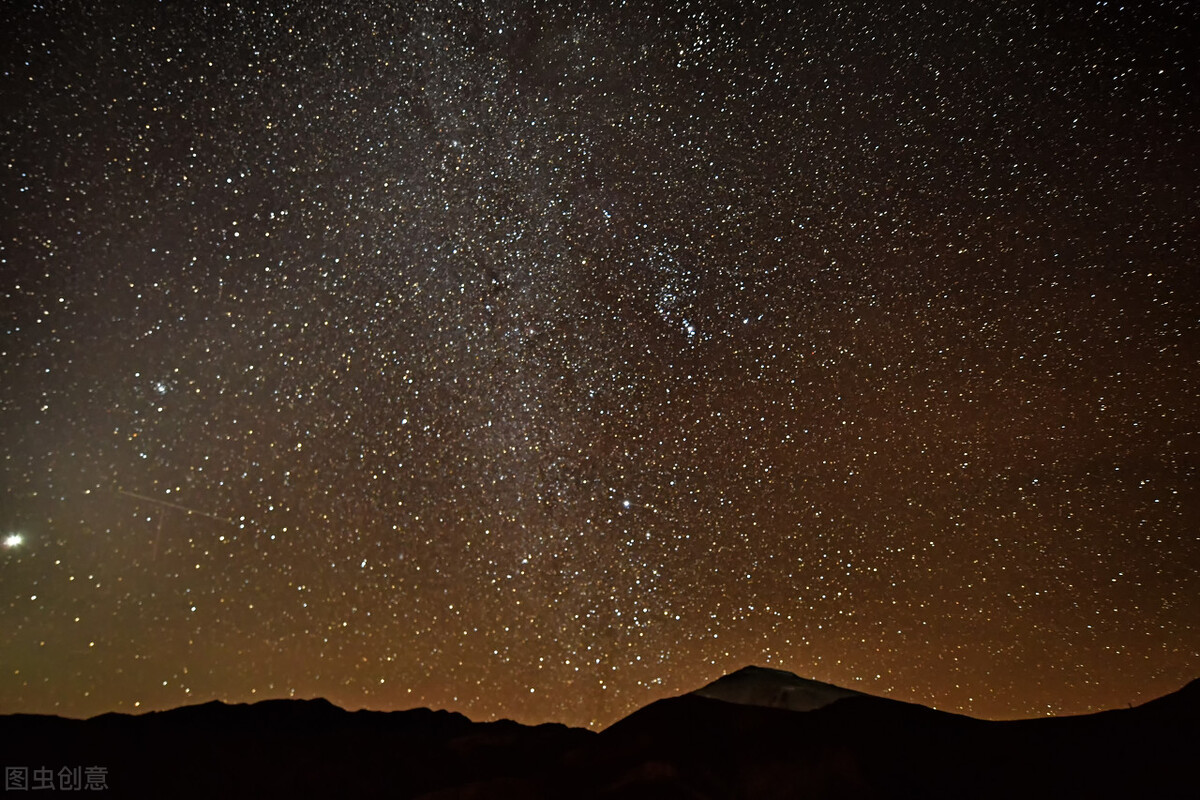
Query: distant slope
x,y
773,688
293,749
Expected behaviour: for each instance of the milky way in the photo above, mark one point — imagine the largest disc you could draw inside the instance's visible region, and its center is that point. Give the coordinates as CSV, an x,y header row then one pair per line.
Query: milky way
x,y
535,362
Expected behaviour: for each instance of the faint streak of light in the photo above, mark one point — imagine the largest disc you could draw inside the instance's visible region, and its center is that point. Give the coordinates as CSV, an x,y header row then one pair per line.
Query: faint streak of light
x,y
176,506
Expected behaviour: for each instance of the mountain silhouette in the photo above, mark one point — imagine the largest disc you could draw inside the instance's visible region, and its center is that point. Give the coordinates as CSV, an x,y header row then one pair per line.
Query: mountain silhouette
x,y
774,688
756,733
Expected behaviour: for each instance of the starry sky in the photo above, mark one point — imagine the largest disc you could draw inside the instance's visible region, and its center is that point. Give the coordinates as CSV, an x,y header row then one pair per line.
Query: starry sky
x,y
540,360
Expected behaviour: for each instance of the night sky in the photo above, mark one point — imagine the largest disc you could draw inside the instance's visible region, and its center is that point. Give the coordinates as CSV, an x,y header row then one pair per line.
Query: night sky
x,y
534,362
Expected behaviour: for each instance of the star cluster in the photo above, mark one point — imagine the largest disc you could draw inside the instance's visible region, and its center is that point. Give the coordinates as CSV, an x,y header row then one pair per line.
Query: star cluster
x,y
539,362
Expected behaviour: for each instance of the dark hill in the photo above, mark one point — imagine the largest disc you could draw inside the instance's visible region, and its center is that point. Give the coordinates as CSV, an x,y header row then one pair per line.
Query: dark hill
x,y
693,746
291,748
774,688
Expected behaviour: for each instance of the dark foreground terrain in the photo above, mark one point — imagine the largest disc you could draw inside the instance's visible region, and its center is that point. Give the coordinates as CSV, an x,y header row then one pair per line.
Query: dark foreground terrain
x,y
847,745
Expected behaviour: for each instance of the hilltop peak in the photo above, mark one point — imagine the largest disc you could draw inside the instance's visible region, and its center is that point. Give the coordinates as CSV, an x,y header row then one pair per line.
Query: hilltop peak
x,y
774,688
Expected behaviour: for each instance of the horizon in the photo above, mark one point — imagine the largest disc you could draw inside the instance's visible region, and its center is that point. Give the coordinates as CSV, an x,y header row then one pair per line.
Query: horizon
x,y
594,725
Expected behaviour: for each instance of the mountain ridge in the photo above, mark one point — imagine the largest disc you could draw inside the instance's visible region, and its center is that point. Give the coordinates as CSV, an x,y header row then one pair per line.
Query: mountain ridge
x,y
695,745
1190,691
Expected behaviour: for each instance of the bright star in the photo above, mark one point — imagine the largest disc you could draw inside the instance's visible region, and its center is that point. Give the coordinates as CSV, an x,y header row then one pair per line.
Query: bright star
x,y
13,540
